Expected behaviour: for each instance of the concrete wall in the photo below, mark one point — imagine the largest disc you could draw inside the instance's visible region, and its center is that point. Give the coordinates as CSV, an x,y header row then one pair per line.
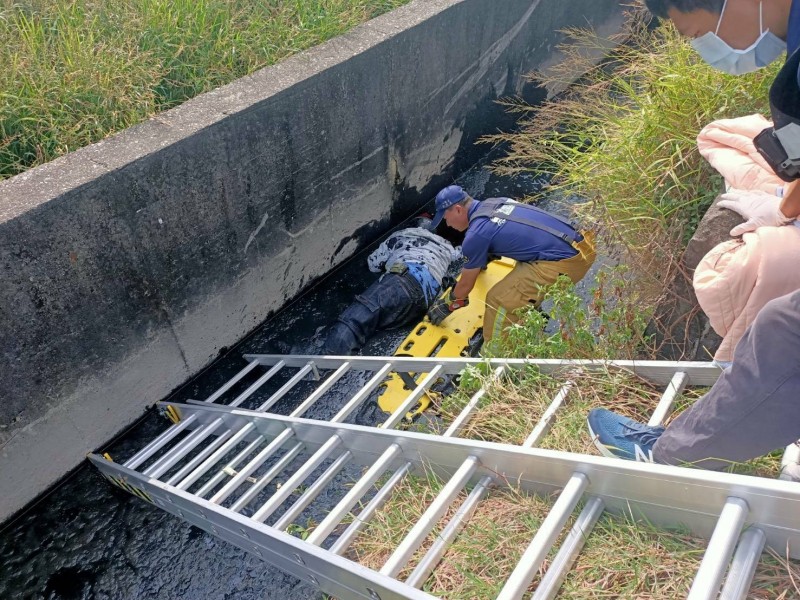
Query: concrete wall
x,y
127,265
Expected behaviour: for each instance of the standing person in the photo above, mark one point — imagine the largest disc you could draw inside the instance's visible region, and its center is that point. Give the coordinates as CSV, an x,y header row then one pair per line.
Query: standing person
x,y
544,246
740,36
414,263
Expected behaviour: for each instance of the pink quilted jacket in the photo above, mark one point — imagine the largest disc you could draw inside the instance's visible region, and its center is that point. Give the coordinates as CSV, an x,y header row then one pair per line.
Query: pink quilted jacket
x,y
739,276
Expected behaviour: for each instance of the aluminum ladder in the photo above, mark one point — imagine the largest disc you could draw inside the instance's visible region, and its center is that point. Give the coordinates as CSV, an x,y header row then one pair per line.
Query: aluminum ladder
x,y
212,465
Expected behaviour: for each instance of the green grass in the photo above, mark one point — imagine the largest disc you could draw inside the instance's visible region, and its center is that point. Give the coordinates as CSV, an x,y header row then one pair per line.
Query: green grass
x,y
76,72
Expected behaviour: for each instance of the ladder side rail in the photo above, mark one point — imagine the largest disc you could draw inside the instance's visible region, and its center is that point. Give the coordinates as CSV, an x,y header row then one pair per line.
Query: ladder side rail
x,y
658,371
284,389
258,383
232,381
744,564
331,573
662,493
551,581
545,537
720,548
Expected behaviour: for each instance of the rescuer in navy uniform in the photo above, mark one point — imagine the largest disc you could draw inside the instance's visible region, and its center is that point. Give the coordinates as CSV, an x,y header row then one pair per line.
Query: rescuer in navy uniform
x,y
753,407
543,244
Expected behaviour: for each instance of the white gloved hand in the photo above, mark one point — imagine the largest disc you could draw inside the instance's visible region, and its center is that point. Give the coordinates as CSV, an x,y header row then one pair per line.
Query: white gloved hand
x,y
759,209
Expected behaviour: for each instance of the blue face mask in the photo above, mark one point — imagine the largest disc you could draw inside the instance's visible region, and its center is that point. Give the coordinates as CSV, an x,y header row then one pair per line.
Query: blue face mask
x,y
717,53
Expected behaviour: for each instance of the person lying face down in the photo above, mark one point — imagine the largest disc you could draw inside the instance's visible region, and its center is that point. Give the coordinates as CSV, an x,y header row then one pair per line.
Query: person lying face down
x,y
414,263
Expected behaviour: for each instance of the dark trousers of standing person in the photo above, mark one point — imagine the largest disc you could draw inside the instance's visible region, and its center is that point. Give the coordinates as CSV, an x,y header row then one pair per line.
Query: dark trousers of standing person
x,y
754,407
392,301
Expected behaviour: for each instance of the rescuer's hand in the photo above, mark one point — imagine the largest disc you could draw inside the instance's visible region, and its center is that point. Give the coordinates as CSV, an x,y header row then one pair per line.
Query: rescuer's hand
x,y
759,209
443,307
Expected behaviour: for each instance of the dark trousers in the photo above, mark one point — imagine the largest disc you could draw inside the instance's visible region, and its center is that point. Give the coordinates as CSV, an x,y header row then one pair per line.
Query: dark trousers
x,y
392,301
754,407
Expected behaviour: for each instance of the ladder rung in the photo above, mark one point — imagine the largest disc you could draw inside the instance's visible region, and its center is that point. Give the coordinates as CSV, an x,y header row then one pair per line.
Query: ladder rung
x,y
466,413
284,389
233,381
158,443
362,486
428,520
257,384
664,407
312,492
434,554
201,470
743,565
324,387
363,393
181,449
200,457
546,421
223,472
288,488
245,472
400,412
576,538
719,551
360,520
544,539
265,479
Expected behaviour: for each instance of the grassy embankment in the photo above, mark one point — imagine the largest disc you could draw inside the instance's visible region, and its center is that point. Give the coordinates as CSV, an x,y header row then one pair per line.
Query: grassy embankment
x,y
76,72
623,139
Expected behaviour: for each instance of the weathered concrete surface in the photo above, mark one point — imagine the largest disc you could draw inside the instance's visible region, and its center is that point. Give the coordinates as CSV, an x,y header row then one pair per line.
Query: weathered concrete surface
x,y
127,266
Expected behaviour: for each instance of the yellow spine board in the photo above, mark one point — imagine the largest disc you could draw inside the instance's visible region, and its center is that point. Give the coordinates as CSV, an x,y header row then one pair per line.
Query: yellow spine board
x,y
448,340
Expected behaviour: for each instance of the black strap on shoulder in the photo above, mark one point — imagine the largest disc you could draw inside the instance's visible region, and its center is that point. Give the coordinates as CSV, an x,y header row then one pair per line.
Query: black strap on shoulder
x,y
498,208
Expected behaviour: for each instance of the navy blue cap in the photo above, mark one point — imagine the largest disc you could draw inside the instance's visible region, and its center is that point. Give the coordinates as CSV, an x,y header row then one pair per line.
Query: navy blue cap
x,y
452,194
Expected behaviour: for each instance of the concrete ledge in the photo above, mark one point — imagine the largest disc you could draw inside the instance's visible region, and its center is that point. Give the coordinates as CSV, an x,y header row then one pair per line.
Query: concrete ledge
x,y
127,265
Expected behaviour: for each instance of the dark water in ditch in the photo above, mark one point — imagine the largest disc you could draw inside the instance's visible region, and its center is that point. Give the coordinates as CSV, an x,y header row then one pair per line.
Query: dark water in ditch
x,y
89,540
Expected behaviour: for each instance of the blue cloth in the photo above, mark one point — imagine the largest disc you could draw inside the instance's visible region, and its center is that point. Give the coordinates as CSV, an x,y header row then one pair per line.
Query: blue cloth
x,y
430,287
392,301
514,240
793,30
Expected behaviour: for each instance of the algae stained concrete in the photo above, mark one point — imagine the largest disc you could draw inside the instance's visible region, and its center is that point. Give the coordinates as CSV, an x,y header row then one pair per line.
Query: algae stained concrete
x,y
126,266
